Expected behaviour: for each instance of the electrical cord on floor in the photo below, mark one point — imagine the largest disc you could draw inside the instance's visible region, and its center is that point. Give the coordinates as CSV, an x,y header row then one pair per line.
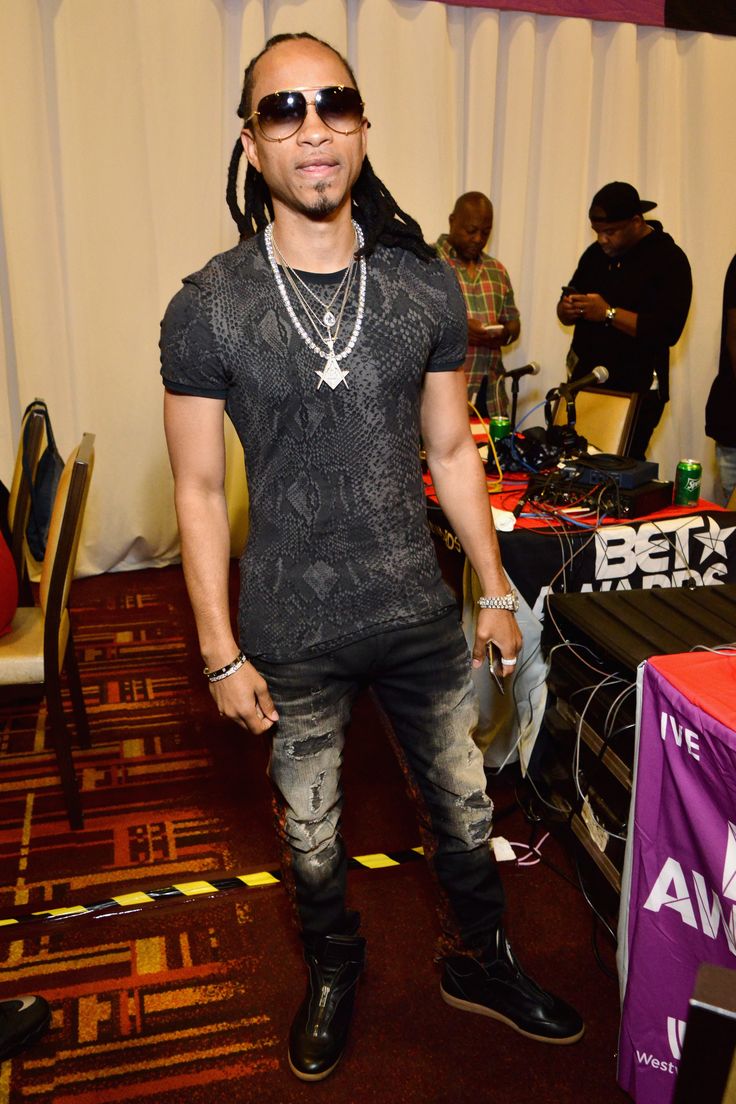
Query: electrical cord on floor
x,y
535,821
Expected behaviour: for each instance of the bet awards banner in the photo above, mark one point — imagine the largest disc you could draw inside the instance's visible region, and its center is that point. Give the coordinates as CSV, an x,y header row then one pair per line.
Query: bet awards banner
x,y
695,550
678,902
717,16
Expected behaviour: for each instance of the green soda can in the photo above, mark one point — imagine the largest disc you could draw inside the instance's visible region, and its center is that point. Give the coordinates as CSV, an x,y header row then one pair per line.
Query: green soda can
x,y
500,427
687,483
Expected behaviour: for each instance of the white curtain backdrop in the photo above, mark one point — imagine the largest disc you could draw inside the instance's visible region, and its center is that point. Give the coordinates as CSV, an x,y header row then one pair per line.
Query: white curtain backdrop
x,y
118,121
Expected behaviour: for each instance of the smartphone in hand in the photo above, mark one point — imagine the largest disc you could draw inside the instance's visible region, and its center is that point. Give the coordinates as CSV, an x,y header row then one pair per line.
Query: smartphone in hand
x,y
568,289
494,665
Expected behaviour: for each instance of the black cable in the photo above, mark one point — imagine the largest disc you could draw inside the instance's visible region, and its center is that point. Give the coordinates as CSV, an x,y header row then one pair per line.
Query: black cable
x,y
597,953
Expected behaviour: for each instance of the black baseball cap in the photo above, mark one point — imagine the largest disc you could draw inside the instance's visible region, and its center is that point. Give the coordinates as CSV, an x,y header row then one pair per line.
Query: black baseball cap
x,y
617,202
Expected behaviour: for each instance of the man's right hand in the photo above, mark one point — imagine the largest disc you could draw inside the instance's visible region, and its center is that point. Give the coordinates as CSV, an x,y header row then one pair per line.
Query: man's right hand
x,y
568,311
244,698
478,335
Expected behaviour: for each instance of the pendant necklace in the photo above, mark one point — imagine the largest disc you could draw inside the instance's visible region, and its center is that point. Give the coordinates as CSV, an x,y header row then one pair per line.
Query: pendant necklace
x,y
332,374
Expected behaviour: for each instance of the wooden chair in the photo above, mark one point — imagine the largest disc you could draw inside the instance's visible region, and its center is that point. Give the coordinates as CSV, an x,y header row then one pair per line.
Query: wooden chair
x,y
19,503
605,418
39,647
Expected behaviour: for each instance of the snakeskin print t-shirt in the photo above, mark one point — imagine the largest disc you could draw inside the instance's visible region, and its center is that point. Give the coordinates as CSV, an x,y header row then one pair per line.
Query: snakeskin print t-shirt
x,y
338,547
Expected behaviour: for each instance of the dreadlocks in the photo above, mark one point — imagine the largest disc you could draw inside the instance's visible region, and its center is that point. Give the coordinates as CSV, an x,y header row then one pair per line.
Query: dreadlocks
x,y
373,207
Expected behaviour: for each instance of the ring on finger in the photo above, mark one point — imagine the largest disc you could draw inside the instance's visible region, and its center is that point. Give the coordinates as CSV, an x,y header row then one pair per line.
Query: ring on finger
x,y
509,662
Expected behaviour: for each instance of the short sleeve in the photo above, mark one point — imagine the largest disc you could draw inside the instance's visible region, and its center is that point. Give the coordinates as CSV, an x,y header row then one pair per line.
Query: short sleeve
x,y
451,348
190,360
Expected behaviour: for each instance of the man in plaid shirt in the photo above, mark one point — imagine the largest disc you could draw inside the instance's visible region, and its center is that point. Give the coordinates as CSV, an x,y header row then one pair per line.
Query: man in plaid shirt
x,y
493,317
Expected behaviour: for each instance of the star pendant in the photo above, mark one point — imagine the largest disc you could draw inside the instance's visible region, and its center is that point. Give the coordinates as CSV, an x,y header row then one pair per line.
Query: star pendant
x,y
332,374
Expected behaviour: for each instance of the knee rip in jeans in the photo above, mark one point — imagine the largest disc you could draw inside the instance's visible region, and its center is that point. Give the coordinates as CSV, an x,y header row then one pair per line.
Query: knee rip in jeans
x,y
313,853
306,746
316,792
480,829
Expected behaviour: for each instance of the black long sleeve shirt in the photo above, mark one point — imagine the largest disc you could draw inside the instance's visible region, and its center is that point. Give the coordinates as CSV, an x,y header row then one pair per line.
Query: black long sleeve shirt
x,y
652,279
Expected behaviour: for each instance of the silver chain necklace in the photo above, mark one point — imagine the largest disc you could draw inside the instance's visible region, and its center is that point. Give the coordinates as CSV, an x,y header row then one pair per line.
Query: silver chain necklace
x,y
328,321
328,317
332,374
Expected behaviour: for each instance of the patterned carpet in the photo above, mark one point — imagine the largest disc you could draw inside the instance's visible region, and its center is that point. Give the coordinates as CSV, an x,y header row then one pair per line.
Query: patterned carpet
x,y
189,997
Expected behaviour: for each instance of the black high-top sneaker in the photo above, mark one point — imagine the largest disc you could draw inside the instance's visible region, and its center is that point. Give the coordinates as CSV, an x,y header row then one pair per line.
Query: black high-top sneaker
x,y
23,1020
496,986
320,1029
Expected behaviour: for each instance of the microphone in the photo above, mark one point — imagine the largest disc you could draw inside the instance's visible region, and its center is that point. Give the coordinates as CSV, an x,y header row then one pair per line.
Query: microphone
x,y
531,369
598,375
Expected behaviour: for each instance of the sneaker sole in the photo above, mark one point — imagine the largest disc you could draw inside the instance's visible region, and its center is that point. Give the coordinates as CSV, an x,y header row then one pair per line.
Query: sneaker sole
x,y
482,1010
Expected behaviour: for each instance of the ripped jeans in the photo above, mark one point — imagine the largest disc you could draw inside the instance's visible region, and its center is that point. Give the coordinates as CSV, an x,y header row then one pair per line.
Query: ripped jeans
x,y
421,677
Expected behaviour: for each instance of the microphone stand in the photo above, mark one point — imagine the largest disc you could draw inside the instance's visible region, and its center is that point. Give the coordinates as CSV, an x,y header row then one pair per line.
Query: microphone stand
x,y
514,401
563,437
567,394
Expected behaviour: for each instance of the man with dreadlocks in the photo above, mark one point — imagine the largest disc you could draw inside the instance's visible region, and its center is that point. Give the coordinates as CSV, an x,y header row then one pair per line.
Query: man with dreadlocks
x,y
333,337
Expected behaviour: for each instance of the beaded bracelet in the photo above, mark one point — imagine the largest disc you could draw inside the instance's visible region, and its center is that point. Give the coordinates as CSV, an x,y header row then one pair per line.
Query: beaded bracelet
x,y
228,669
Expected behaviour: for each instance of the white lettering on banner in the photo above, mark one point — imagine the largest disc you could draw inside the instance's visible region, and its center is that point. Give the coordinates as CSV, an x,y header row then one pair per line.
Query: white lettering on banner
x,y
649,582
653,548
662,1064
710,911
614,552
729,865
691,739
676,1036
608,584
671,875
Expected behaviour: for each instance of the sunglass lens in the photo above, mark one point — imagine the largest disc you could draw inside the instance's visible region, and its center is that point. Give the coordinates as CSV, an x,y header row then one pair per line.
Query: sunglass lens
x,y
341,109
281,114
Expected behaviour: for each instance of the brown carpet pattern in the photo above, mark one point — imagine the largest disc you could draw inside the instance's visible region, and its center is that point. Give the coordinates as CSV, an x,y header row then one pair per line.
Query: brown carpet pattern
x,y
191,999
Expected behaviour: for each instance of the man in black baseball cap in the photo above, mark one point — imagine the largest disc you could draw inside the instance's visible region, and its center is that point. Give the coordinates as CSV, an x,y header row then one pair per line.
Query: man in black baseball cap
x,y
618,202
628,300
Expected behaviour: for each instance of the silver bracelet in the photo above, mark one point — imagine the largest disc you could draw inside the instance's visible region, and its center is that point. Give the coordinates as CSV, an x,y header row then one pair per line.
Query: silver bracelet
x,y
508,601
227,670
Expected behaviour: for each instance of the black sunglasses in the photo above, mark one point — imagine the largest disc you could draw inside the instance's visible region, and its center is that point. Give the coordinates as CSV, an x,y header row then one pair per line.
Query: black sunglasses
x,y
281,114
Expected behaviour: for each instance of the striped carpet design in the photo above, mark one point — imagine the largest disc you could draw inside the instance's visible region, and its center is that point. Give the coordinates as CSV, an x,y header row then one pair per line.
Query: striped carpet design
x,y
143,1005
182,994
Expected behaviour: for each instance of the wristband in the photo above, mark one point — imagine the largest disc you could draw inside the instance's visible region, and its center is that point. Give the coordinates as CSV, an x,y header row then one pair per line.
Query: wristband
x,y
227,670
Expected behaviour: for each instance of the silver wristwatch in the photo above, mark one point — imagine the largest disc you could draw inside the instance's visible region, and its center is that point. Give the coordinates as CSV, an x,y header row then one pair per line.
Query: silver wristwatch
x,y
508,601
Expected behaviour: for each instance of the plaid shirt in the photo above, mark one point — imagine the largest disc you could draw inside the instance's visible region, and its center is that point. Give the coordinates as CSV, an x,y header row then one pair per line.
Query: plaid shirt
x,y
488,296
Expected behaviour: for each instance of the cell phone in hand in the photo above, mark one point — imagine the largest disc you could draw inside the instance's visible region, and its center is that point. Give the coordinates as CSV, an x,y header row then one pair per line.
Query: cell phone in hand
x,y
493,328
568,289
494,665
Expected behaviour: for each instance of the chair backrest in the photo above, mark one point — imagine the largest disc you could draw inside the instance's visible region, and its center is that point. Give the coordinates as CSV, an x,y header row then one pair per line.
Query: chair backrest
x,y
64,533
605,418
19,502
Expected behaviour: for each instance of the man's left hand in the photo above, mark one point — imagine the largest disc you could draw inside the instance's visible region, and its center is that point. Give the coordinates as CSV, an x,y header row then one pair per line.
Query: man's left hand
x,y
588,308
497,627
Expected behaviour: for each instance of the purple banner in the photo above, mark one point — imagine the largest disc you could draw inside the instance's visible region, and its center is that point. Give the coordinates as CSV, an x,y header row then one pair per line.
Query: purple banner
x,y
718,16
681,864
649,12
